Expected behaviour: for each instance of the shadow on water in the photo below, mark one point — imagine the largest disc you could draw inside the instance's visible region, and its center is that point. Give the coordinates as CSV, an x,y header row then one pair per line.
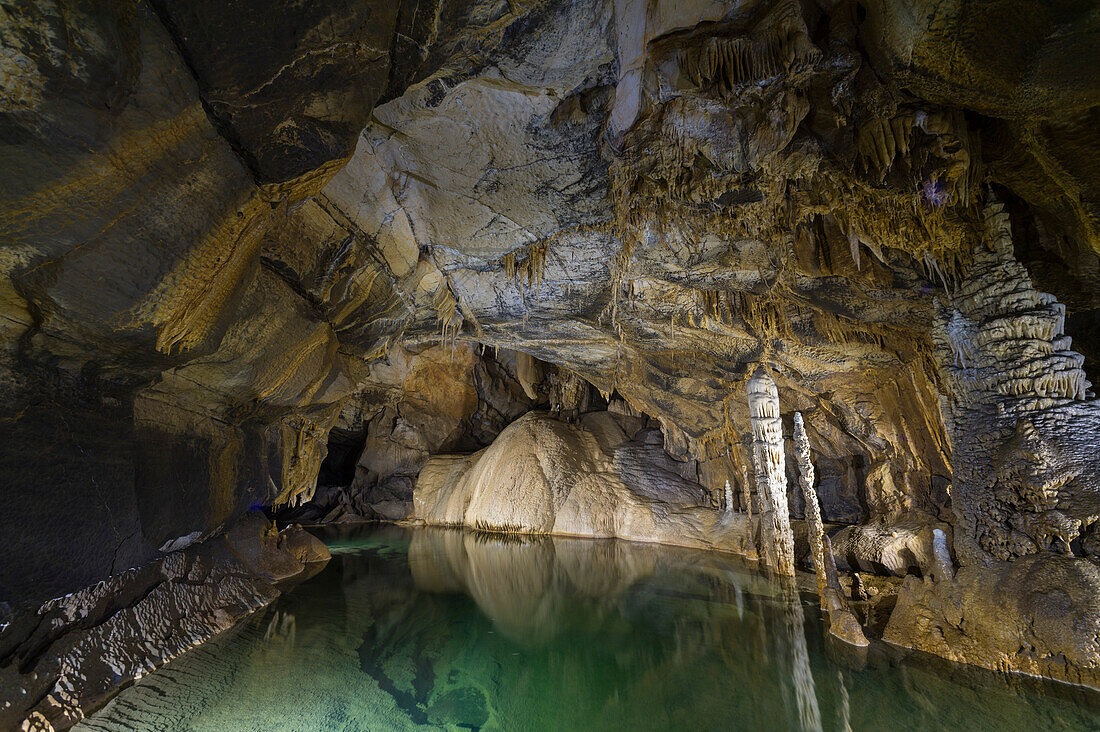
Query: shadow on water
x,y
448,629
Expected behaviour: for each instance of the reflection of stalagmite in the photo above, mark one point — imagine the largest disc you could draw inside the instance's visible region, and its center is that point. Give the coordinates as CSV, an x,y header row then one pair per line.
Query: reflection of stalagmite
x,y
842,623
809,716
281,627
844,712
771,480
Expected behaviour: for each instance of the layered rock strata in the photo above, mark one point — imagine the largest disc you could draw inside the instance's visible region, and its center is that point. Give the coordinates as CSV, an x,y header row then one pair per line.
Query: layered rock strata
x,y
66,658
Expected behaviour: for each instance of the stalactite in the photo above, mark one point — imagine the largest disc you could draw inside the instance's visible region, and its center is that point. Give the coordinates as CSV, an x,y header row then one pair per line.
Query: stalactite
x,y
771,479
771,48
450,320
527,271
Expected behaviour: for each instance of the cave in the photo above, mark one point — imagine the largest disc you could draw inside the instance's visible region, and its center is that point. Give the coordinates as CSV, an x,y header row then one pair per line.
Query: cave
x,y
549,364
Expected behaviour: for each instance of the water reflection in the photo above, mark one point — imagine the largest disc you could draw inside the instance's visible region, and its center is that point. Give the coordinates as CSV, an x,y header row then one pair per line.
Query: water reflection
x,y
449,629
531,588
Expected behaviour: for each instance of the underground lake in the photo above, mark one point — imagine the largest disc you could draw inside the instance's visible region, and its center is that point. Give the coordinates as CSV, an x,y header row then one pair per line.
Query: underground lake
x,y
431,628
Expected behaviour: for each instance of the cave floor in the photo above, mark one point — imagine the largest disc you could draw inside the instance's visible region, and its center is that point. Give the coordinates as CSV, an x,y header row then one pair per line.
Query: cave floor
x,y
449,629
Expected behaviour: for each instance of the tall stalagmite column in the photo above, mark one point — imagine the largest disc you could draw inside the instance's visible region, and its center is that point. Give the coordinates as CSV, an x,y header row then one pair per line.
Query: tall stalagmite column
x,y
813,510
842,623
771,478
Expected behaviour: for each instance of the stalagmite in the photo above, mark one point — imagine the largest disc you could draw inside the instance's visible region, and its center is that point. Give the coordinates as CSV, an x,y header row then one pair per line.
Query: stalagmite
x,y
813,510
746,494
729,499
842,623
771,479
943,567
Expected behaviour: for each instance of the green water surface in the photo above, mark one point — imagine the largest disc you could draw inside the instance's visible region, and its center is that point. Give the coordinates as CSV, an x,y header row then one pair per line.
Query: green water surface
x,y
444,629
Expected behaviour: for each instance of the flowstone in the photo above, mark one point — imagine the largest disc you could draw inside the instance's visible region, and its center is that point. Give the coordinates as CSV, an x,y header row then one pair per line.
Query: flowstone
x,y
1024,426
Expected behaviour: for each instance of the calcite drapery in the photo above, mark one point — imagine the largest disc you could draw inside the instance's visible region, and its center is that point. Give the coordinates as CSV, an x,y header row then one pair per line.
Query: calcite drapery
x,y
543,475
771,480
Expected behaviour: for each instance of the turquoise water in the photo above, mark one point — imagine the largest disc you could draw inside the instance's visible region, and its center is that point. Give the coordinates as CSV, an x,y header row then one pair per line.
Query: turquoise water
x,y
442,629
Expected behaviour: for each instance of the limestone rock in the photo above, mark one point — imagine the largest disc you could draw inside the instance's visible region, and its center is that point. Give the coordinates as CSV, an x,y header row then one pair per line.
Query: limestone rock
x,y
896,548
290,85
66,658
543,476
410,406
1025,480
1039,615
199,299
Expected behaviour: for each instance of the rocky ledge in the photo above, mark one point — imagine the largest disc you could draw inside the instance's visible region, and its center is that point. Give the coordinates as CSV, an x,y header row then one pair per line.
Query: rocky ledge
x,y
66,658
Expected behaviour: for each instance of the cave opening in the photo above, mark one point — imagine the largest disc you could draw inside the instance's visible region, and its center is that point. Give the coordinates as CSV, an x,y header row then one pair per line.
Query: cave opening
x,y
1059,267
342,455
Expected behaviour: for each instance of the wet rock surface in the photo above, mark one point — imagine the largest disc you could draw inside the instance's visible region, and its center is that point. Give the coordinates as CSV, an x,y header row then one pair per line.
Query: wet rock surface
x,y
1039,615
63,660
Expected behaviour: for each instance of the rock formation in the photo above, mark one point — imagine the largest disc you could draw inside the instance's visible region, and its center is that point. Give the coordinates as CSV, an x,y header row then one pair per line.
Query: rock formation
x,y
545,476
1026,490
771,475
64,659
242,247
813,510
842,623
407,407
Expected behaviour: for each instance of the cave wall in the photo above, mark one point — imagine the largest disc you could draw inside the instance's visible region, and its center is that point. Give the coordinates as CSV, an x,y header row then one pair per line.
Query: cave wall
x,y
158,379
407,407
